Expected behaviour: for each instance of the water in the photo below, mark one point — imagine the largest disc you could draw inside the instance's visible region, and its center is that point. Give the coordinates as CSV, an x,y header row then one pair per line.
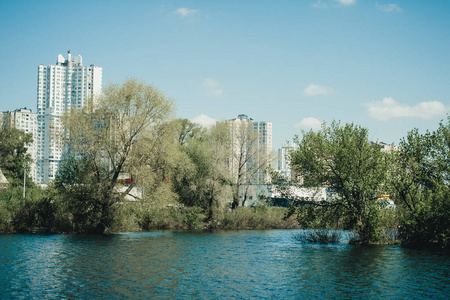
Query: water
x,y
225,264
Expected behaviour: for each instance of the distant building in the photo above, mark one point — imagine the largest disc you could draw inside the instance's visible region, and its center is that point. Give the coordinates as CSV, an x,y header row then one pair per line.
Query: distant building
x,y
263,151
284,196
388,148
60,87
243,131
283,159
264,130
25,120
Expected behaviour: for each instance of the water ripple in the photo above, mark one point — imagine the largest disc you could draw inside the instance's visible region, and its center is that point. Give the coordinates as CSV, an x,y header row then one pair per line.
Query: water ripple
x,y
222,264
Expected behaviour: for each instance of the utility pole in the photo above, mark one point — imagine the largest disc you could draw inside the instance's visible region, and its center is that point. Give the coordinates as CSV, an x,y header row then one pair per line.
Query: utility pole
x,y
24,177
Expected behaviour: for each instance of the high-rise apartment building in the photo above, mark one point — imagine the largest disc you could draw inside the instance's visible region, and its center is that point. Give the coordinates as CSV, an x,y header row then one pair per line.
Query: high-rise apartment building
x,y
264,130
252,139
60,87
284,167
251,155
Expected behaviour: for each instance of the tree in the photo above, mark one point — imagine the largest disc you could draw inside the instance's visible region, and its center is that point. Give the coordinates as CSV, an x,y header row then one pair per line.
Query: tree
x,y
342,159
420,183
187,130
19,214
205,184
109,138
13,154
248,161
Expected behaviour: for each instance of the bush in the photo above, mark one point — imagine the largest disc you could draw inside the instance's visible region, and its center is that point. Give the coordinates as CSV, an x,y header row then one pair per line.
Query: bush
x,y
254,218
126,218
5,218
168,217
192,216
319,236
429,225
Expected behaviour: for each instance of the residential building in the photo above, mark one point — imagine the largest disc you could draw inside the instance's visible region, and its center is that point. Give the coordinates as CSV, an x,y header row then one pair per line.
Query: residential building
x,y
264,130
388,148
284,167
251,154
60,87
385,147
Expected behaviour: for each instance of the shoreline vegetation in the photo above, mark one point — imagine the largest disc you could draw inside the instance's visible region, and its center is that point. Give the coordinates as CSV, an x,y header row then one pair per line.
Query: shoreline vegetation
x,y
179,175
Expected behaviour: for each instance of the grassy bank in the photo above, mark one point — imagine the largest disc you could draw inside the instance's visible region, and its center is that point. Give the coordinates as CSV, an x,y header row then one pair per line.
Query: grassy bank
x,y
27,216
134,217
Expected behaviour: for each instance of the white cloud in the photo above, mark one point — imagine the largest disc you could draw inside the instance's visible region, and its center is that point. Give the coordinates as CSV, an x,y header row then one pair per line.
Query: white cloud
x,y
322,5
319,4
204,120
346,2
212,88
388,7
388,108
315,90
309,123
184,12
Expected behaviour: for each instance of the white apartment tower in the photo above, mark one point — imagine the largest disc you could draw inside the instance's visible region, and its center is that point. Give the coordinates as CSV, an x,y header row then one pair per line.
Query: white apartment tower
x,y
264,130
284,166
263,152
60,87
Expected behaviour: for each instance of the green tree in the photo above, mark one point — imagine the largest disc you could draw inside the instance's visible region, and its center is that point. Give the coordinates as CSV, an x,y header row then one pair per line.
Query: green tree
x,y
13,154
248,159
187,130
109,138
342,159
206,183
420,183
18,214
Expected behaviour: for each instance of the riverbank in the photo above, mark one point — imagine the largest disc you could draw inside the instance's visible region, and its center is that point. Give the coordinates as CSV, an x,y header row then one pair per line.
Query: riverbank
x,y
260,217
50,217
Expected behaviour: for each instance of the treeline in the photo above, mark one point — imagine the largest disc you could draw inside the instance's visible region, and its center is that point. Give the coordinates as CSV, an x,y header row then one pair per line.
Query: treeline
x,y
363,178
131,165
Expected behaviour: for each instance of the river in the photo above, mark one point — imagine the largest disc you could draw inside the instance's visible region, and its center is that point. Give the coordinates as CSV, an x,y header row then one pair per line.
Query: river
x,y
214,265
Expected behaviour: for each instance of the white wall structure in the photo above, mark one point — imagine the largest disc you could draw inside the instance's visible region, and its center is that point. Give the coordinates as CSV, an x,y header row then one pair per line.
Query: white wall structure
x,y
59,88
25,120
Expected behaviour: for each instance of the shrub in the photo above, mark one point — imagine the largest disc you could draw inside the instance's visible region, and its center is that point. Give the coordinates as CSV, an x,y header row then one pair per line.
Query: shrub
x,y
5,218
319,236
255,218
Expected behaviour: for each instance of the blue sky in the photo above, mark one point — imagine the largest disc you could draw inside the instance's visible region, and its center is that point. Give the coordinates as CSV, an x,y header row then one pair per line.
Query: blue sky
x,y
380,64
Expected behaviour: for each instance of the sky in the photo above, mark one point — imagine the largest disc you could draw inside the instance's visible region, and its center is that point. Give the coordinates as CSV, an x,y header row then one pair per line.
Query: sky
x,y
383,65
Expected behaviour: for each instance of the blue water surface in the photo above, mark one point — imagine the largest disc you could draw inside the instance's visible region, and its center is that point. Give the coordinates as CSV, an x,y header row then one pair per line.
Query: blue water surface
x,y
214,265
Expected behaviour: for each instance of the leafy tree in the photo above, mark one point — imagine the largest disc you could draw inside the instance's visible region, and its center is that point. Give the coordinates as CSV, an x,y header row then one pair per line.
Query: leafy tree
x,y
13,154
205,183
248,160
166,163
420,183
187,130
18,214
105,140
342,159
